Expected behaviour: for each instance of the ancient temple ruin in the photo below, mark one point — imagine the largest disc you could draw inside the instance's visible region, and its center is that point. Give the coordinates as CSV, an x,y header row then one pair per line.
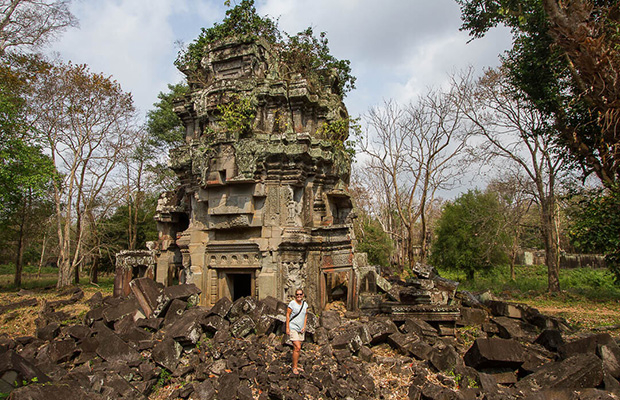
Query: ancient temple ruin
x,y
263,206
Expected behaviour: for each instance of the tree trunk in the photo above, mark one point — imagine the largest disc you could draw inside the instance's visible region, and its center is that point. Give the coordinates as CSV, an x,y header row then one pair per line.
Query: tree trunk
x,y
423,242
550,241
42,259
17,281
94,271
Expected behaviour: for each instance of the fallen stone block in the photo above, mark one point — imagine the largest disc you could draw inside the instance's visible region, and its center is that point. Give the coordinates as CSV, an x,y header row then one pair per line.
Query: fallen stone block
x,y
15,370
48,332
401,341
510,328
187,328
166,353
577,372
349,340
214,323
242,326
420,350
502,309
550,339
265,324
118,387
114,313
18,304
150,296
53,391
221,307
585,345
227,386
78,332
380,329
112,348
419,327
59,351
445,359
472,317
494,353
542,321
203,391
610,354
94,315
175,309
188,292
330,320
431,391
240,307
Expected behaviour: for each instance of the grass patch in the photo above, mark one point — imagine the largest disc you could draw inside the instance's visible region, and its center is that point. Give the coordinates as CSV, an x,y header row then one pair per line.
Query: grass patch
x,y
9,269
531,281
47,279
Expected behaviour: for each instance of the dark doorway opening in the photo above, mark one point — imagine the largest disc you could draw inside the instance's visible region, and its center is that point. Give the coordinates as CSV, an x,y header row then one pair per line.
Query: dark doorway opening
x,y
240,285
138,271
336,285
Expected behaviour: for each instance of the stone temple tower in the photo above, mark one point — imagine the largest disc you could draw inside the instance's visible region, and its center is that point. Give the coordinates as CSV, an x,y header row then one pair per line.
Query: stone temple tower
x,y
262,207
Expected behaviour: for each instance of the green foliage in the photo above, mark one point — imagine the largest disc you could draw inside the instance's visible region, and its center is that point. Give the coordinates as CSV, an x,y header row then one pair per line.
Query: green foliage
x,y
337,132
375,242
25,171
302,53
469,235
237,116
162,123
241,21
595,226
564,77
114,230
306,54
164,378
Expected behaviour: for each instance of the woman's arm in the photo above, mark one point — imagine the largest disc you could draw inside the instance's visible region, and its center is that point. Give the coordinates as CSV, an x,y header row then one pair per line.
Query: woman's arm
x,y
305,319
288,317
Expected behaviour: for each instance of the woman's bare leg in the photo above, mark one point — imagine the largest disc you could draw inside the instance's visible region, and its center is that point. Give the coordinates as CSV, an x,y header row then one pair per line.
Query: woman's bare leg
x,y
296,351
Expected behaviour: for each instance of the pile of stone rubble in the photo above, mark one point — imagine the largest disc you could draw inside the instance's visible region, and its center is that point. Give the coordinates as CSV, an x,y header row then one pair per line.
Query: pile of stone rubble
x,y
129,348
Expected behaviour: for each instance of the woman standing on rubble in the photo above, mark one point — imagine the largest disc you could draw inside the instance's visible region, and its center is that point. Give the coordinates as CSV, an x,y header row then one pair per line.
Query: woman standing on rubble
x,y
296,316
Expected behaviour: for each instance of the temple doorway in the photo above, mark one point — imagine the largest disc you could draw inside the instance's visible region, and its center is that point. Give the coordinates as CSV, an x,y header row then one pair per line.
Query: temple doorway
x,y
337,285
238,284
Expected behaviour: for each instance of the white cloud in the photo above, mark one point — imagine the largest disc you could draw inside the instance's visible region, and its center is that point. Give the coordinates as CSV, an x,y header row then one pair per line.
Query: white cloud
x,y
396,48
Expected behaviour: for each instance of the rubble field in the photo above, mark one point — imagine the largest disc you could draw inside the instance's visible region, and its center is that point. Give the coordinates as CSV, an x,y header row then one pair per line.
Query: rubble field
x,y
158,344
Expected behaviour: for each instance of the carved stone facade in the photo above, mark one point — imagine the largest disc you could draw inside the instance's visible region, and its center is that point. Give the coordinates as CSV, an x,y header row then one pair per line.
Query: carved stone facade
x,y
264,210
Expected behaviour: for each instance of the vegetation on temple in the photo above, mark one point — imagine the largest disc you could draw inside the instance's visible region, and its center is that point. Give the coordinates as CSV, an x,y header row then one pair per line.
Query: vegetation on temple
x,y
302,53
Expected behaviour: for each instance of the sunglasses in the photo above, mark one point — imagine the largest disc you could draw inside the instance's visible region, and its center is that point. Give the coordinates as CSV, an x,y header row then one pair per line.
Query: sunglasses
x,y
299,294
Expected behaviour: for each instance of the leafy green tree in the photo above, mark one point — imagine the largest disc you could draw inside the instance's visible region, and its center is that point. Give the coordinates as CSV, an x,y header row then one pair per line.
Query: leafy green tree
x,y
470,235
26,173
375,242
164,126
565,59
595,225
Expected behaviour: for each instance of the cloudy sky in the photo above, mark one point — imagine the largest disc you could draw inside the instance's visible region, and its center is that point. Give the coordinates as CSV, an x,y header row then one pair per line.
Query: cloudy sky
x,y
397,48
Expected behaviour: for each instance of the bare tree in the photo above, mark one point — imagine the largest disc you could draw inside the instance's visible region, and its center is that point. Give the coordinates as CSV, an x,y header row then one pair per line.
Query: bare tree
x,y
513,191
516,132
412,152
88,122
32,23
